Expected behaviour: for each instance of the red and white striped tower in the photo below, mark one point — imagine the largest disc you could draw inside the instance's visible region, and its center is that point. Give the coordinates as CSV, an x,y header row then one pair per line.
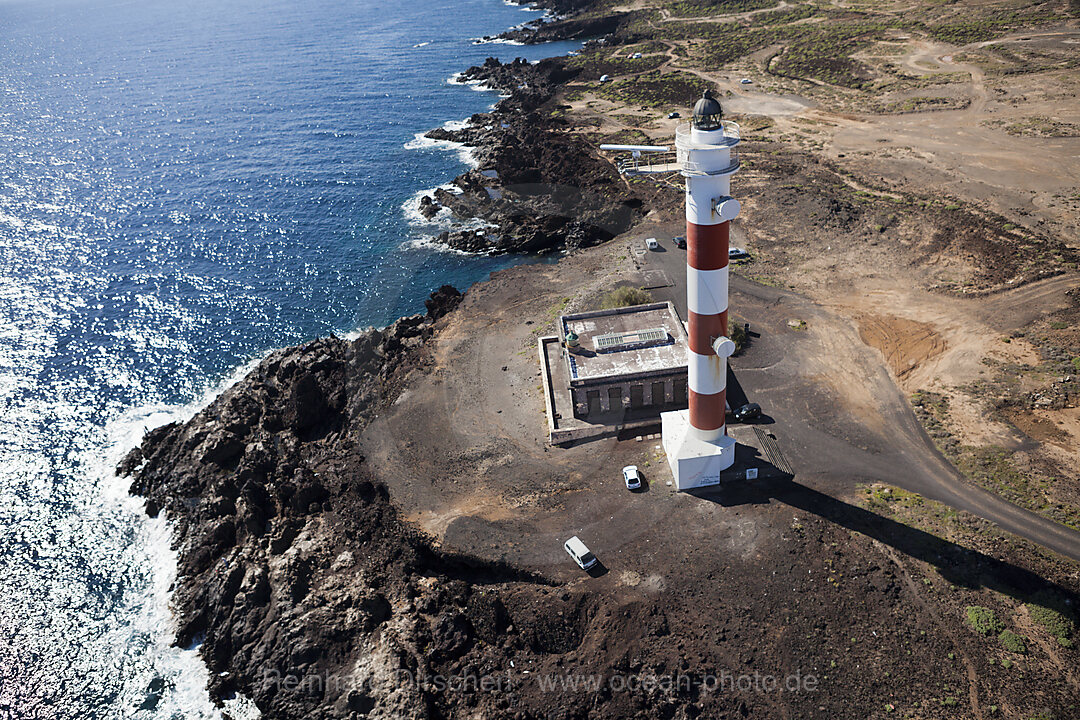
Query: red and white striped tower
x,y
695,440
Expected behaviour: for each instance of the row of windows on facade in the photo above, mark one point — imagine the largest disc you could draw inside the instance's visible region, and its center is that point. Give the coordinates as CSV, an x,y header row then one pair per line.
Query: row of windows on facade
x,y
660,393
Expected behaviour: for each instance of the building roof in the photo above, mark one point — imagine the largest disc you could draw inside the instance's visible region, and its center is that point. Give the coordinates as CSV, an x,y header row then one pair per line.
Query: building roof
x,y
630,341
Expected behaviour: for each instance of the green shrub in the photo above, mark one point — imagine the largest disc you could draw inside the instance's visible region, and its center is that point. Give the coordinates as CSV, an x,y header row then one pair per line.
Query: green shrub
x,y
655,89
1013,642
737,333
982,620
1050,612
625,297
700,8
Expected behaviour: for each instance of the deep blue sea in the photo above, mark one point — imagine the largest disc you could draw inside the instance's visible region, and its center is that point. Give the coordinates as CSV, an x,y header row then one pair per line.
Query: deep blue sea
x,y
184,186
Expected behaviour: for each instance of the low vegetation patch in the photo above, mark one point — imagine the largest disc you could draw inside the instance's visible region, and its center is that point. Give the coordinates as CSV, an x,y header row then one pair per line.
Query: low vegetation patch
x,y
1037,127
1013,642
737,332
626,137
701,8
625,297
595,64
983,620
923,104
1052,613
753,123
981,29
824,56
656,89
993,468
783,17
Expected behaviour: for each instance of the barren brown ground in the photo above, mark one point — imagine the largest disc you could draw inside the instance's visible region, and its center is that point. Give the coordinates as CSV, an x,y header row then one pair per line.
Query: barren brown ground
x,y
739,575
987,157
884,319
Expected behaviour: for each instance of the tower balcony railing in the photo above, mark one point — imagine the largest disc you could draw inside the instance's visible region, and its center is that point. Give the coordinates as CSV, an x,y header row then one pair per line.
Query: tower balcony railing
x,y
684,144
684,137
648,163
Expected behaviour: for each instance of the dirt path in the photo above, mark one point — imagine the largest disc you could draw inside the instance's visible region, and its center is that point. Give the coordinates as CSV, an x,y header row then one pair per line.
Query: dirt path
x,y
666,16
965,651
844,416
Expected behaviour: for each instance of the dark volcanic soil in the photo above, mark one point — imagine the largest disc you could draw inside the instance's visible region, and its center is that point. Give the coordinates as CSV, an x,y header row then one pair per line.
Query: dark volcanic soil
x,y
313,597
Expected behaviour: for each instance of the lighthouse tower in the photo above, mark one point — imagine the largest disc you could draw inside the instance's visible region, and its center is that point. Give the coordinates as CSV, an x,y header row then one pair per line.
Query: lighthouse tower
x,y
695,440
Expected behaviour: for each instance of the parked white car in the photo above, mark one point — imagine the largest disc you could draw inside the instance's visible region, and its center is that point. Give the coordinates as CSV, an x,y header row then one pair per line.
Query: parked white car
x,y
652,244
581,554
737,254
746,81
631,477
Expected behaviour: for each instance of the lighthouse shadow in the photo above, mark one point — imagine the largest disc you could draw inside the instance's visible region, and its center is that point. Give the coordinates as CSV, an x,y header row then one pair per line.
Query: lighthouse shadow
x,y
958,565
734,489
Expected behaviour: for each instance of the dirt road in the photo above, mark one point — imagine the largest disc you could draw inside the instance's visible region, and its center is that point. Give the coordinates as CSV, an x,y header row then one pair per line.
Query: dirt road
x,y
839,414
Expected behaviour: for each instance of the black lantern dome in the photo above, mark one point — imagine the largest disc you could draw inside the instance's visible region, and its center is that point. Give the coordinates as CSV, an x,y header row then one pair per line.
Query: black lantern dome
x,y
708,113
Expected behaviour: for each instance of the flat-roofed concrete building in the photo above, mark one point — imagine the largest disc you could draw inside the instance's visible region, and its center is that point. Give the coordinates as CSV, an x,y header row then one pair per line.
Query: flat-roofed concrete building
x,y
625,360
610,370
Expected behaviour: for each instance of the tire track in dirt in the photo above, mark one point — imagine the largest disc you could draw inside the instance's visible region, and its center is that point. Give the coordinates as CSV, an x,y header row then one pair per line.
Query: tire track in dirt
x,y
973,677
905,344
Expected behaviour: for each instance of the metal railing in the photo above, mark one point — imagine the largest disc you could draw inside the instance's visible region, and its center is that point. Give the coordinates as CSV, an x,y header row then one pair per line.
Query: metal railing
x,y
684,138
647,163
645,160
684,144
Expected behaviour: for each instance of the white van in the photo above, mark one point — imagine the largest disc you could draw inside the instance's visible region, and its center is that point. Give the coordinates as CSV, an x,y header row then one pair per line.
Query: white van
x,y
581,554
652,244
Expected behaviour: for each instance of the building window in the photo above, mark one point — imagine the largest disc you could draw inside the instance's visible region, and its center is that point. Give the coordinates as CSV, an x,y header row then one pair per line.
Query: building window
x,y
680,391
593,397
658,393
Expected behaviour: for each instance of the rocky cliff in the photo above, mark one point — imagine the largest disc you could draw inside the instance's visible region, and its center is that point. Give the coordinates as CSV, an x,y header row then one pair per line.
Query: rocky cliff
x,y
306,591
538,187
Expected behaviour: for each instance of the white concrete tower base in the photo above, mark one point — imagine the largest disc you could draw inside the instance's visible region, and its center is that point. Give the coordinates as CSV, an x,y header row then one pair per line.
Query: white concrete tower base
x,y
695,462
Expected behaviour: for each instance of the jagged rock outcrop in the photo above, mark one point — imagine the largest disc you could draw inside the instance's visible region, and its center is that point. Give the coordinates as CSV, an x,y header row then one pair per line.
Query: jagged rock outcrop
x,y
538,188
307,592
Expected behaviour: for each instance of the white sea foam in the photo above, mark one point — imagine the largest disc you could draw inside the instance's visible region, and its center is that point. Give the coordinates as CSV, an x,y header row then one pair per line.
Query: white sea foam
x,y
465,153
429,242
477,85
180,673
443,218
496,41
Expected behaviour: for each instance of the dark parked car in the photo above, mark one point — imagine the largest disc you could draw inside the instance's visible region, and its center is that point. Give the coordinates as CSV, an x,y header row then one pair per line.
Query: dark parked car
x,y
680,242
749,411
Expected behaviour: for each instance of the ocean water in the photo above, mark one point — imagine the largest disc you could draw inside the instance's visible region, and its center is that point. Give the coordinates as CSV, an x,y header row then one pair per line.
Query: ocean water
x,y
184,186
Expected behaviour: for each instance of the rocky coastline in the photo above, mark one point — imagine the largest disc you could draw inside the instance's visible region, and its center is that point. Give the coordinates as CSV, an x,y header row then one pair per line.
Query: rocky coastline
x,y
538,188
306,589
298,581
